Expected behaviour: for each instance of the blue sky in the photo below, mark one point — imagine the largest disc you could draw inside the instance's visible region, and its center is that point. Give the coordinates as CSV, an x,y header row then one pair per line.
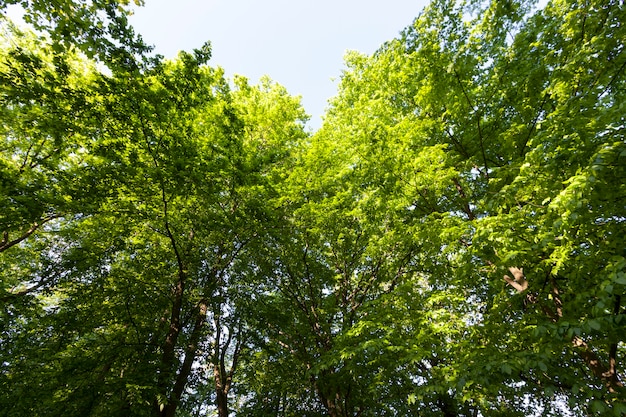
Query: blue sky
x,y
298,43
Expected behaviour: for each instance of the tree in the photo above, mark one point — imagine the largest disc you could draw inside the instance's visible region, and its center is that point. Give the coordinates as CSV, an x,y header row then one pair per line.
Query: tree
x,y
178,169
483,145
447,244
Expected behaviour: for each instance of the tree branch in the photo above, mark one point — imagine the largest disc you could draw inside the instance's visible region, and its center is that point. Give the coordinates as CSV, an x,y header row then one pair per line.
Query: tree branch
x,y
607,374
466,206
6,243
190,355
519,282
478,125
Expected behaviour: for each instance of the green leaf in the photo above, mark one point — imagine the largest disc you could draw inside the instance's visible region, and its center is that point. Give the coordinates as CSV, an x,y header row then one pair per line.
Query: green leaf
x,y
620,278
594,324
506,368
598,406
542,366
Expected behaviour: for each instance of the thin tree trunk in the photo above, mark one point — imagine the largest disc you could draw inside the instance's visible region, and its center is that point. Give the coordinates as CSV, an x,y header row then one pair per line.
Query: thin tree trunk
x,y
190,355
221,402
164,406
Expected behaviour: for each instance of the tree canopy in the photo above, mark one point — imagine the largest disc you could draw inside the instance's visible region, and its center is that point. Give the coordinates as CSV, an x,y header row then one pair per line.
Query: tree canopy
x,y
448,243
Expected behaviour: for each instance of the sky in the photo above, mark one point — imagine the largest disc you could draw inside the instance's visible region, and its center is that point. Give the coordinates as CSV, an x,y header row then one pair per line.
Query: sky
x,y
297,43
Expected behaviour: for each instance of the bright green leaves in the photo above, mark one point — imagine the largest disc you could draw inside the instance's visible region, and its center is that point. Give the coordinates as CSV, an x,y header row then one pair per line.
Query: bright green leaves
x,y
42,95
97,28
45,120
273,122
161,211
135,199
476,143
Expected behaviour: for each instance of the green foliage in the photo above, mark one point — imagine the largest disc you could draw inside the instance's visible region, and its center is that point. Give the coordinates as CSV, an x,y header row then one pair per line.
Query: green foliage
x,y
174,242
132,198
98,28
487,137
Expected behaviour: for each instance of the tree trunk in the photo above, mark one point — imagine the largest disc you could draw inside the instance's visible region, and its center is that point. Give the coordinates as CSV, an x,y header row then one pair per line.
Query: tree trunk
x,y
221,402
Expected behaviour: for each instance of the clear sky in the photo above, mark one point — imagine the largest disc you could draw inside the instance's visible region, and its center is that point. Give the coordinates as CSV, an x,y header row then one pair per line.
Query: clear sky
x,y
298,43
